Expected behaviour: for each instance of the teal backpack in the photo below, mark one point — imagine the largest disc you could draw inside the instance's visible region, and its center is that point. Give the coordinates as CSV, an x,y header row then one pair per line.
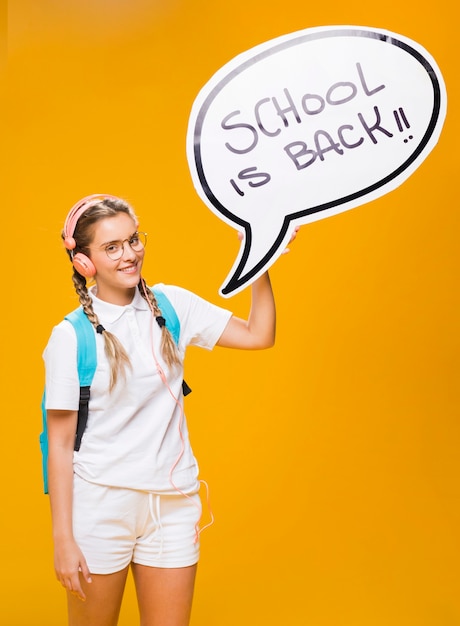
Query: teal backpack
x,y
87,363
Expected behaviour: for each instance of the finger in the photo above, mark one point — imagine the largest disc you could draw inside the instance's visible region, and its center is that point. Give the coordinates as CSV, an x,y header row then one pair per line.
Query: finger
x,y
76,589
72,584
84,569
294,234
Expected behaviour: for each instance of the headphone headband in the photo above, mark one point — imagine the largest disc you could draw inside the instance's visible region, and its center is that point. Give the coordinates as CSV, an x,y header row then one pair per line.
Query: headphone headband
x,y
77,211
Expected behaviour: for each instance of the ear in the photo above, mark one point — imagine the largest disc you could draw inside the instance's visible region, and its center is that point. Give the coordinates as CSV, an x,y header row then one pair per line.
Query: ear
x,y
84,265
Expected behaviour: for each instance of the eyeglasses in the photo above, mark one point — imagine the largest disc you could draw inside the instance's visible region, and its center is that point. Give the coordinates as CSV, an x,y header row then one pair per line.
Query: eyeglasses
x,y
114,250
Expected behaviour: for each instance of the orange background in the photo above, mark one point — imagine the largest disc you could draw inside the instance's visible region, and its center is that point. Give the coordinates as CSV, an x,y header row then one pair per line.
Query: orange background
x,y
333,459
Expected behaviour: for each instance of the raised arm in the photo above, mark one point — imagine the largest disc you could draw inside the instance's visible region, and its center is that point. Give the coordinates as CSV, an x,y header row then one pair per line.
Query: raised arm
x,y
258,331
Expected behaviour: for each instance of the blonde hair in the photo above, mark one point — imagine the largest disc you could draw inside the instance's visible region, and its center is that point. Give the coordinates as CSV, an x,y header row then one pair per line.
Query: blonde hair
x,y
83,235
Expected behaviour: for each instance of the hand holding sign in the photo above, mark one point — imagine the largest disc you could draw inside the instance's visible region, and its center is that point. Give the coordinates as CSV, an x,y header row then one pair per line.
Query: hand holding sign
x,y
306,126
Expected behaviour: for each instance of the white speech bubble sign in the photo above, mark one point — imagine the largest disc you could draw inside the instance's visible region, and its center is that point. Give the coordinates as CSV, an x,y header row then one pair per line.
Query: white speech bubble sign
x,y
306,126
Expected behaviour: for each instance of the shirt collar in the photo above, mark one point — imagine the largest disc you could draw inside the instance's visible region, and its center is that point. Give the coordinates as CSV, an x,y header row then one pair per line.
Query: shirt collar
x,y
109,313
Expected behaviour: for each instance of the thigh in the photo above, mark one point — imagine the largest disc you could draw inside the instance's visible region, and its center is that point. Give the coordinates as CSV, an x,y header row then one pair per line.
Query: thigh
x,y
105,524
103,600
170,537
164,595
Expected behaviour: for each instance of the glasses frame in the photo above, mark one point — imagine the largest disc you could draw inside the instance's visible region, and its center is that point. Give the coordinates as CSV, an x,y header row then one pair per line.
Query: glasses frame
x,y
122,242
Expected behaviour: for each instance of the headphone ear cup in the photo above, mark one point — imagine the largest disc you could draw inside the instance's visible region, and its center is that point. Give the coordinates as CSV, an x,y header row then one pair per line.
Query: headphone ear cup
x,y
84,265
69,243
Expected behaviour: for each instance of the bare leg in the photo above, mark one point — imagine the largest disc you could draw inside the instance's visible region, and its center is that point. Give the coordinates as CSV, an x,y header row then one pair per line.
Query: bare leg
x,y
164,595
103,600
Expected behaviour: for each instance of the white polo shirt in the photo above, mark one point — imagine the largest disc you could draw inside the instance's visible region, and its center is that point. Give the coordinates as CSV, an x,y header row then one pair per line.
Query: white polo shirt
x,y
137,434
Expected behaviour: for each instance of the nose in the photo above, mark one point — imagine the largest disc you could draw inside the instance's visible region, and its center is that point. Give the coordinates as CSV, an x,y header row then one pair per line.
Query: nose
x,y
128,252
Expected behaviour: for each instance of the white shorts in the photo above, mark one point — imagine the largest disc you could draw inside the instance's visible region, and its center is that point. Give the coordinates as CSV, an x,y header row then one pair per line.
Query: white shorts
x,y
115,526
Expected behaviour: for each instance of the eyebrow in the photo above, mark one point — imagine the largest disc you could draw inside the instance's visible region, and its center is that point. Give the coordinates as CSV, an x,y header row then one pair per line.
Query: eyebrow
x,y
107,243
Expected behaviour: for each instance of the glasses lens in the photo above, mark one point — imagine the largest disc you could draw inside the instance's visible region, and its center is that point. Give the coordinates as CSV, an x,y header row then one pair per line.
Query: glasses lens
x,y
115,250
138,241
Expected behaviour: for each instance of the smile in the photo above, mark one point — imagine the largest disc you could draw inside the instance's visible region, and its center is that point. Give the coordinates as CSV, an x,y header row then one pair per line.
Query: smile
x,y
132,269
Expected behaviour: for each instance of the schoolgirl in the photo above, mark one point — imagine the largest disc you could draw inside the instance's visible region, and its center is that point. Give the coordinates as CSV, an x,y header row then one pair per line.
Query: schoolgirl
x,y
129,496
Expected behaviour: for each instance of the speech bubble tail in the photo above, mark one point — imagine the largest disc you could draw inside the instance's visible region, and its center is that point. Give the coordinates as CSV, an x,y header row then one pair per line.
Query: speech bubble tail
x,y
259,250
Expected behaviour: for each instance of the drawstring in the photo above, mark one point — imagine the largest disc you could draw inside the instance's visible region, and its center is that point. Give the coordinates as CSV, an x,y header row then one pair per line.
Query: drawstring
x,y
199,530
155,512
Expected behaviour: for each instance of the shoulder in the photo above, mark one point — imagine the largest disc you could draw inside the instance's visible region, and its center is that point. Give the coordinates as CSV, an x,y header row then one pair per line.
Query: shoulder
x,y
201,321
64,330
178,296
172,291
184,300
62,341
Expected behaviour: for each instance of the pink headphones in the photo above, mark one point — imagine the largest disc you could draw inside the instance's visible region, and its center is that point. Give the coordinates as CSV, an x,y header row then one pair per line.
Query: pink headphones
x,y
81,262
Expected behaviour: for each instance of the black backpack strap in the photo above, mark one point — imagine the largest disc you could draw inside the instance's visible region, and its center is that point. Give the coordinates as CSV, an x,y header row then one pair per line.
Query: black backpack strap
x,y
82,416
172,322
86,363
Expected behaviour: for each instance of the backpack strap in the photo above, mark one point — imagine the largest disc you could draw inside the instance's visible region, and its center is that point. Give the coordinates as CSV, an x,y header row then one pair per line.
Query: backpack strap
x,y
86,364
168,312
86,346
44,444
172,322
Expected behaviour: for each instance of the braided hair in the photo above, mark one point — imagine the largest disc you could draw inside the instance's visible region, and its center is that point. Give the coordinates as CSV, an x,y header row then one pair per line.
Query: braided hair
x,y
83,235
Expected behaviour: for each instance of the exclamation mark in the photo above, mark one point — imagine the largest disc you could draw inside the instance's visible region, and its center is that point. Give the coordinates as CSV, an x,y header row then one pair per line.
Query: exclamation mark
x,y
401,116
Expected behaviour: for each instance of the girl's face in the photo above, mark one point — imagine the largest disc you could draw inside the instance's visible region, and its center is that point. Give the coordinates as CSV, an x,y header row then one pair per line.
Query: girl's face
x,y
116,280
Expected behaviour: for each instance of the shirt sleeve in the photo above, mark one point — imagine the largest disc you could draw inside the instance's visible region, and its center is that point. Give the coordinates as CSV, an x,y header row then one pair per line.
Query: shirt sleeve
x,y
201,322
61,374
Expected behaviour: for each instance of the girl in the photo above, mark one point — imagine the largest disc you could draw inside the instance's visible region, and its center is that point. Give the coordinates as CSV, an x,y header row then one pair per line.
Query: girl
x,y
129,496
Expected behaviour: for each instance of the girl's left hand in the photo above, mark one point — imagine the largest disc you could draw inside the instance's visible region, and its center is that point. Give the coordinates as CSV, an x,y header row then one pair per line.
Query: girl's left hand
x,y
286,250
293,236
